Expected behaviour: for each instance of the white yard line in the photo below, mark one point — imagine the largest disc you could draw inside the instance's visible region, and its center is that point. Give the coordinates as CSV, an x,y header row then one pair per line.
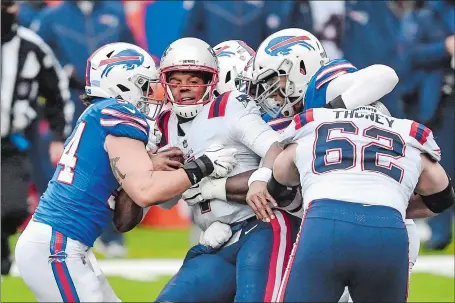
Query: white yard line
x,y
152,269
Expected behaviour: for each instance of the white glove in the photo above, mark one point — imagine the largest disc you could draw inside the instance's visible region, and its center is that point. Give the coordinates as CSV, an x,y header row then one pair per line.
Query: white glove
x,y
223,160
193,195
154,139
216,235
207,189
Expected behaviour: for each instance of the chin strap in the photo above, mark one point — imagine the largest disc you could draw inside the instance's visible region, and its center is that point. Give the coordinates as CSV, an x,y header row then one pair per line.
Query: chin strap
x,y
187,111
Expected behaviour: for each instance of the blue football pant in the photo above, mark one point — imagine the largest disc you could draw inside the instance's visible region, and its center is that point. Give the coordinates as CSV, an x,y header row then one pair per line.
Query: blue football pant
x,y
342,244
249,270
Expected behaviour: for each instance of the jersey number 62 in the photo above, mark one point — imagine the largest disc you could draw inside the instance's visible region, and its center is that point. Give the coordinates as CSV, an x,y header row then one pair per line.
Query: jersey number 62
x,y
346,150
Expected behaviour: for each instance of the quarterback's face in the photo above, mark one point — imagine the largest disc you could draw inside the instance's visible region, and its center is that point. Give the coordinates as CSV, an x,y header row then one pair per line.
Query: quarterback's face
x,y
186,87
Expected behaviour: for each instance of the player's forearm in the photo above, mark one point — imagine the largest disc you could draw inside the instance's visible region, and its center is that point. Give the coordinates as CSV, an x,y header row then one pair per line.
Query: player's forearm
x,y
237,187
284,170
146,186
163,186
238,198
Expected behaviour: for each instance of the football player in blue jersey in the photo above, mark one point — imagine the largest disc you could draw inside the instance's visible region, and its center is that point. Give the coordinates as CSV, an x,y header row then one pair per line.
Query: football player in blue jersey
x,y
106,151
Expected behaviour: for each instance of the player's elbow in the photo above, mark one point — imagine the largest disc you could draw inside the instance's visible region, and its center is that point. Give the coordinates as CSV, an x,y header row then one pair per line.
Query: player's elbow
x,y
386,75
144,200
150,196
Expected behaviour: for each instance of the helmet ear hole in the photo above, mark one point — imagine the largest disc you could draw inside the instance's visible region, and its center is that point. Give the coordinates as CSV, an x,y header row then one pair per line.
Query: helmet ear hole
x,y
123,88
228,77
302,67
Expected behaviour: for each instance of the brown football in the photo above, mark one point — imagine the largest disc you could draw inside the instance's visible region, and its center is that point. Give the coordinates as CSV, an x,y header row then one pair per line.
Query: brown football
x,y
127,213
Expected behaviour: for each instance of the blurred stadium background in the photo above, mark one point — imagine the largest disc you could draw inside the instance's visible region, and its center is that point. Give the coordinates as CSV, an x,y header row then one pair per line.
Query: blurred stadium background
x,y
414,37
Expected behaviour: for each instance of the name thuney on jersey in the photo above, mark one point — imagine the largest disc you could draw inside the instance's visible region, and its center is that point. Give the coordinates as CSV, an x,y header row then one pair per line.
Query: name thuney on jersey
x,y
378,118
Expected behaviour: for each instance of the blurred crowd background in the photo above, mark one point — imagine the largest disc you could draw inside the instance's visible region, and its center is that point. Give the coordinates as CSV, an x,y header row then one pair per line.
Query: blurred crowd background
x,y
416,38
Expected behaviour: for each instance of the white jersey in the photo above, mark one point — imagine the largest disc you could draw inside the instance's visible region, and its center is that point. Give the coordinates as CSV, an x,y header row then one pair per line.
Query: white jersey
x,y
359,155
232,120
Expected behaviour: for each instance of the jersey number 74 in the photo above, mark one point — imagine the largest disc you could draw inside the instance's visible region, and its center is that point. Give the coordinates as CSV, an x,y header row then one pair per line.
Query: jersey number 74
x,y
69,158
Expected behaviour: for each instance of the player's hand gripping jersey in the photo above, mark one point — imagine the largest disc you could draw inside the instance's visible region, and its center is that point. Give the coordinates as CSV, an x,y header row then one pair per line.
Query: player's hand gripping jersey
x,y
83,187
233,121
359,155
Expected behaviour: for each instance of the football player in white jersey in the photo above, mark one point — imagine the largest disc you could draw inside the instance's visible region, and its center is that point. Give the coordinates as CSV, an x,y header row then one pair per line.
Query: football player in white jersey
x,y
235,62
321,80
356,182
249,266
284,68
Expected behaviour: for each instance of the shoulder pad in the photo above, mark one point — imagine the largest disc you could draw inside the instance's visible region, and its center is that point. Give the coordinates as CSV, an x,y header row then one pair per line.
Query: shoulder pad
x,y
124,120
422,139
332,70
232,101
296,129
315,95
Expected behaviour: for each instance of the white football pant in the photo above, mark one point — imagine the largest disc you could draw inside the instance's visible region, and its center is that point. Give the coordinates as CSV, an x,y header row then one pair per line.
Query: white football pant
x,y
59,269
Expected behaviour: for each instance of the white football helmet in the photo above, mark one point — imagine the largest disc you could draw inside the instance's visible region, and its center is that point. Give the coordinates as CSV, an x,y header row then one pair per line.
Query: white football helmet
x,y
186,55
233,55
293,53
125,72
376,106
245,78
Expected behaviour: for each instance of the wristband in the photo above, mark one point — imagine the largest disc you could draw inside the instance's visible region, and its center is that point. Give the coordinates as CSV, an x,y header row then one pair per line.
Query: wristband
x,y
262,174
338,102
198,169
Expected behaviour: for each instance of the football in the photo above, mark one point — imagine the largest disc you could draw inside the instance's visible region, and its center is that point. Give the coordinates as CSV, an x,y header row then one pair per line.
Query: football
x,y
127,213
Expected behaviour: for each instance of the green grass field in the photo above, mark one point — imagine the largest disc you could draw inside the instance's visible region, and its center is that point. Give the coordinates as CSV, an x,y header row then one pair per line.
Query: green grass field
x,y
146,243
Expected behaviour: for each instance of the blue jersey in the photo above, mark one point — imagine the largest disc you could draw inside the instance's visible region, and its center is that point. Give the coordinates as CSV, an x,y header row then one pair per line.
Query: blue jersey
x,y
78,201
315,96
279,123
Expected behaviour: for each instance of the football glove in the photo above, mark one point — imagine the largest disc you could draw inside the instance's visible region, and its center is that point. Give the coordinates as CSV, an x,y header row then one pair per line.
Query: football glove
x,y
223,160
216,235
207,189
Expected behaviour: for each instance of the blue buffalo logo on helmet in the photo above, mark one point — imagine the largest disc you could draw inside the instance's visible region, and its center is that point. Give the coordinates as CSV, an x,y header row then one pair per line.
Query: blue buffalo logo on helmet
x,y
222,52
129,59
282,45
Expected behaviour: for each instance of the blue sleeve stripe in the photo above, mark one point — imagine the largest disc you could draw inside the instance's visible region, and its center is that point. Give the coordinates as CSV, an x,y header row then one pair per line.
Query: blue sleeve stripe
x,y
115,122
335,68
122,115
328,79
